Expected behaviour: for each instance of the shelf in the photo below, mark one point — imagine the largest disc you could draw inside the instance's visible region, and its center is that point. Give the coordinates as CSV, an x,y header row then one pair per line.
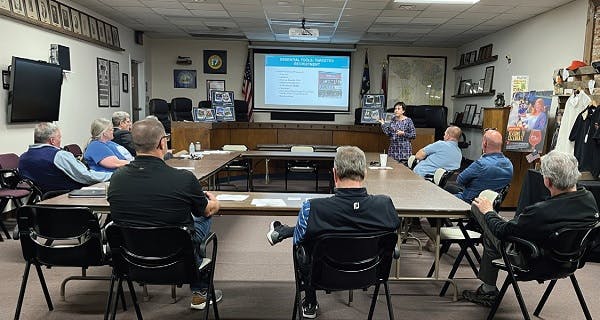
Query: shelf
x,y
470,126
483,94
476,63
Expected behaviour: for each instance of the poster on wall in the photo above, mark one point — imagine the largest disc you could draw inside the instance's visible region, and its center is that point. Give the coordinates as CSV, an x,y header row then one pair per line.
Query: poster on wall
x,y
115,87
528,121
184,78
519,84
103,82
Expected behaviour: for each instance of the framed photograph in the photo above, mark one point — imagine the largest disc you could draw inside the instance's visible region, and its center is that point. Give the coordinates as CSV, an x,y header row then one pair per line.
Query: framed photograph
x,y
214,85
115,37
108,33
416,80
44,10
480,86
76,19
125,80
472,56
54,13
465,87
371,115
485,52
93,29
65,18
215,61
5,5
462,60
184,79
489,78
85,25
101,35
31,10
115,90
470,111
103,73
465,115
475,120
18,7
458,118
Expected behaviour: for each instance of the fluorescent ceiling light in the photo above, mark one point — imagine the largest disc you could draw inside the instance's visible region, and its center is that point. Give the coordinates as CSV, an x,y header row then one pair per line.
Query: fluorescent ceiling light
x,y
439,1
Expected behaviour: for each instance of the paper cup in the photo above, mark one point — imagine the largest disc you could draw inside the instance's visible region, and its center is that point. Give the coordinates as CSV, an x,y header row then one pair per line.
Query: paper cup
x,y
383,159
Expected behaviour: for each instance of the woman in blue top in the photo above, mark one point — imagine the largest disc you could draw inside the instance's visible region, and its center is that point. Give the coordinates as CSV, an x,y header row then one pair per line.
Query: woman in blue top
x,y
102,154
400,130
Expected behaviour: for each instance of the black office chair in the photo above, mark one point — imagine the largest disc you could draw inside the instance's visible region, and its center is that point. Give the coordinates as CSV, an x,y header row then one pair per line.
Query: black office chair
x,y
242,165
340,261
412,162
560,255
160,109
58,236
302,166
157,255
13,187
181,109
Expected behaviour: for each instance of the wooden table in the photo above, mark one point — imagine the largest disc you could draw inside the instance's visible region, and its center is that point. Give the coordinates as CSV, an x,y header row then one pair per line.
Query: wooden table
x,y
412,197
207,167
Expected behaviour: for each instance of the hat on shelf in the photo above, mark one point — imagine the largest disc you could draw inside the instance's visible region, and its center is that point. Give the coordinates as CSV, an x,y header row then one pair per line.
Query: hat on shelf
x,y
576,64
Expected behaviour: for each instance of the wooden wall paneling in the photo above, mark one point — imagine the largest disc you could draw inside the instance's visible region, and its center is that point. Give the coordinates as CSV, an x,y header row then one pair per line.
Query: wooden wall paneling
x,y
303,136
520,167
182,133
367,141
252,137
424,137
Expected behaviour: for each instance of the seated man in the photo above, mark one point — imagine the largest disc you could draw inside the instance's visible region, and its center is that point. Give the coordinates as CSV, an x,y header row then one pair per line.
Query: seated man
x,y
567,206
122,131
148,192
351,209
491,171
52,168
440,154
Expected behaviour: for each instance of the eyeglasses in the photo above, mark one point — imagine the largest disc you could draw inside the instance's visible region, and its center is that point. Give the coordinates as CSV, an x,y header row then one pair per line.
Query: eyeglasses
x,y
166,137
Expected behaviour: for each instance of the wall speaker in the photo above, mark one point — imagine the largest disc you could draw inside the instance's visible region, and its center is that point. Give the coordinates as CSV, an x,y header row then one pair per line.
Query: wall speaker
x,y
60,55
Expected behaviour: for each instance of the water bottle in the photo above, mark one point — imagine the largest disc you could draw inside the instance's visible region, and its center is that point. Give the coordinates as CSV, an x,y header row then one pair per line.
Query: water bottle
x,y
192,149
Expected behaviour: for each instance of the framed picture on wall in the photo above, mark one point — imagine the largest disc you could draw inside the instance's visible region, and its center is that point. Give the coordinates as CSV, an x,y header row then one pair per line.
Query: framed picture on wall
x,y
103,72
94,29
85,25
54,13
18,7
31,10
76,19
101,35
489,77
214,85
108,33
65,18
5,5
125,78
44,10
115,37
115,90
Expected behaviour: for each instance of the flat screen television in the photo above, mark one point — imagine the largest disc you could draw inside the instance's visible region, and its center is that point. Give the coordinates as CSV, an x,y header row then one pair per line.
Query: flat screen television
x,y
35,88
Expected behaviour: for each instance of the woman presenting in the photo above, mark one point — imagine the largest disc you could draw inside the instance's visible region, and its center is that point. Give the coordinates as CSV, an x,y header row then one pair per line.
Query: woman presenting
x,y
400,130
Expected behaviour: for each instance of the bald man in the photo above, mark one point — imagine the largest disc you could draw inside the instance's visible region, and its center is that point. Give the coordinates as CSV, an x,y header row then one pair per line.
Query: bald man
x,y
491,171
440,154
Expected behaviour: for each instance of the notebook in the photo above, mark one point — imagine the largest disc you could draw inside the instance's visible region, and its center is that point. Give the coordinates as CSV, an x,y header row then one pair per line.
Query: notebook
x,y
88,193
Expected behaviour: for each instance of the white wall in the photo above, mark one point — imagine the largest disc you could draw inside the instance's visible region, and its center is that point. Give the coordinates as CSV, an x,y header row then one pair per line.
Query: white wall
x,y
79,99
537,47
164,54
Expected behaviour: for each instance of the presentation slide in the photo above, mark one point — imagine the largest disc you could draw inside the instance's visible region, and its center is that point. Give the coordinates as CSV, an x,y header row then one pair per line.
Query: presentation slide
x,y
302,82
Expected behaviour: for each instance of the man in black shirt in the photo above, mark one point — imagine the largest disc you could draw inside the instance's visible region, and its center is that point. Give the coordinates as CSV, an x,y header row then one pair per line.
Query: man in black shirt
x,y
567,206
148,192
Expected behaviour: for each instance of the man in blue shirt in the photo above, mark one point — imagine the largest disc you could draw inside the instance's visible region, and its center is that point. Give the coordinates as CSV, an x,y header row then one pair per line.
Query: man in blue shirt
x,y
440,154
52,168
492,171
350,210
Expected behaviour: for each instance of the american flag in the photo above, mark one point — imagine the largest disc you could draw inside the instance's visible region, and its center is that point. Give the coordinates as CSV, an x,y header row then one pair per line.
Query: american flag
x,y
247,86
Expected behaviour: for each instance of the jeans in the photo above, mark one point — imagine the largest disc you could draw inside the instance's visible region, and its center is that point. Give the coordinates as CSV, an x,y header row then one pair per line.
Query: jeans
x,y
491,250
202,229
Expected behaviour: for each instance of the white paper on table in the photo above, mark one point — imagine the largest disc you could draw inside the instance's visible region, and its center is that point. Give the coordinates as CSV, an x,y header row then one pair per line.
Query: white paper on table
x,y
294,198
232,197
186,168
268,202
216,152
381,168
92,188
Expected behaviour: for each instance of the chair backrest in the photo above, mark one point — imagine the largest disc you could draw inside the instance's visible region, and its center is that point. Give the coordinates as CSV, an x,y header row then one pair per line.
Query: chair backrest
x,y
350,261
181,109
302,149
74,149
563,252
204,104
412,162
73,231
235,147
441,175
9,161
9,170
153,255
160,109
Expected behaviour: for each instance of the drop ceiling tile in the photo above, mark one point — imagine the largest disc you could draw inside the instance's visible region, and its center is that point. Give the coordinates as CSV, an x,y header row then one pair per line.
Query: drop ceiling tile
x,y
122,3
393,19
419,20
173,12
489,9
210,14
204,6
163,4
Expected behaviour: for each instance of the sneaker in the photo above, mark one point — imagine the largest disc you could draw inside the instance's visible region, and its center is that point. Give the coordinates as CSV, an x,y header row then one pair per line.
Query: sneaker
x,y
273,234
309,310
478,296
199,299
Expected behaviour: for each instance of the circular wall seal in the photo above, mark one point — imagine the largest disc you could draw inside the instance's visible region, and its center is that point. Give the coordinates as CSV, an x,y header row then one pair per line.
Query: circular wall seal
x,y
215,62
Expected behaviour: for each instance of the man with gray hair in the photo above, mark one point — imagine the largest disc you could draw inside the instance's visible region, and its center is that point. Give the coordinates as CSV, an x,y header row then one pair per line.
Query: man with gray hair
x,y
52,168
350,210
568,206
122,131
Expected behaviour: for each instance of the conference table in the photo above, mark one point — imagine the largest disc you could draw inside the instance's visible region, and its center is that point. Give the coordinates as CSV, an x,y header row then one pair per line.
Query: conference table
x,y
412,196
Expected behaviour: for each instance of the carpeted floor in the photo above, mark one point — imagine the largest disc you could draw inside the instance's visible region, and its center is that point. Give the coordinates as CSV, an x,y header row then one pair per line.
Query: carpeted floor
x,y
257,283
